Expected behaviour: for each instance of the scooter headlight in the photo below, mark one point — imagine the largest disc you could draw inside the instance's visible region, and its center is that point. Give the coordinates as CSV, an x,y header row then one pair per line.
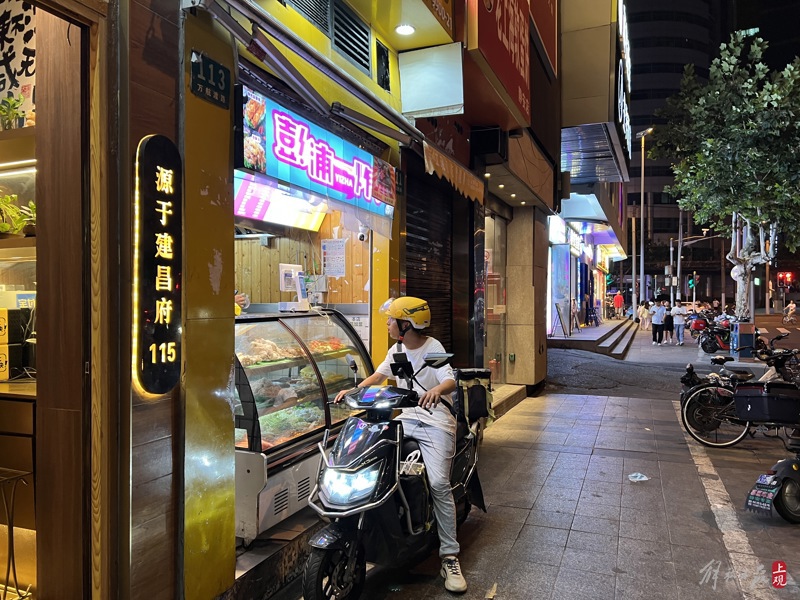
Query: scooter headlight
x,y
343,487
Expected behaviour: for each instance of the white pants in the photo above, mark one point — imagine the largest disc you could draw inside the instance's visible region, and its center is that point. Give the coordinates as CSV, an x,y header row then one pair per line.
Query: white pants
x,y
437,448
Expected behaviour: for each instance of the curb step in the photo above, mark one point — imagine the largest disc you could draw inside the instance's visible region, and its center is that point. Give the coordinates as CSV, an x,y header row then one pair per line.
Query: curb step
x,y
621,349
610,341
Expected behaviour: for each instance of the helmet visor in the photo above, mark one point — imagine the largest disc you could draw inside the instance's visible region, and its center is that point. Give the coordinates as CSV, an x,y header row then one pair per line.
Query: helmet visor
x,y
384,309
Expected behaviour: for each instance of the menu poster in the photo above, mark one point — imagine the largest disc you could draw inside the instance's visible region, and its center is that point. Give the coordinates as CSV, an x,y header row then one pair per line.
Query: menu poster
x,y
255,149
334,262
384,182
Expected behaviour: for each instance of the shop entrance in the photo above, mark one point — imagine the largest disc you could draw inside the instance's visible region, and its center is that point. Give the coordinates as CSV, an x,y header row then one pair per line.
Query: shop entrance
x,y
44,387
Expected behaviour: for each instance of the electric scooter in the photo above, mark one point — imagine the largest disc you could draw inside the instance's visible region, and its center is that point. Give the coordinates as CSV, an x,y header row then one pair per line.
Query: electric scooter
x,y
373,488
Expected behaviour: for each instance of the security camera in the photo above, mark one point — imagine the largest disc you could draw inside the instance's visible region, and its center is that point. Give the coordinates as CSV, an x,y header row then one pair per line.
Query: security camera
x,y
363,232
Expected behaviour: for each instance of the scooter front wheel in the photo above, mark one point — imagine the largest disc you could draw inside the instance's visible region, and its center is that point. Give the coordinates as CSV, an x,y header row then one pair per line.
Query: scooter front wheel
x,y
326,576
787,501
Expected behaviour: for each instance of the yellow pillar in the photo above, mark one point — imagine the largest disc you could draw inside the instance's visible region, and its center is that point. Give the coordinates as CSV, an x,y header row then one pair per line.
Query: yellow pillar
x,y
209,558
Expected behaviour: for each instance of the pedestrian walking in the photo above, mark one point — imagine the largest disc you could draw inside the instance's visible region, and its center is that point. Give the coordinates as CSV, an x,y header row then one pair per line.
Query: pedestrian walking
x,y
641,312
679,321
657,312
668,324
619,304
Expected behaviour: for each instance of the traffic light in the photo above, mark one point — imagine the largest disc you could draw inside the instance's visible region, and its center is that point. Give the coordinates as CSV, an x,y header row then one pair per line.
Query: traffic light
x,y
691,282
609,279
784,278
788,279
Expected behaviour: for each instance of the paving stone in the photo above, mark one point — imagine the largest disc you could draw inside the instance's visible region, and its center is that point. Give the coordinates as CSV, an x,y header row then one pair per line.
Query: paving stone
x,y
585,560
522,579
639,531
593,509
631,588
595,525
544,535
577,585
594,542
546,518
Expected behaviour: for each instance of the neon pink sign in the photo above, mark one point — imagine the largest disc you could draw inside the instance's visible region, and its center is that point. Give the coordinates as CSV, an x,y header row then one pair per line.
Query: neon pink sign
x,y
294,145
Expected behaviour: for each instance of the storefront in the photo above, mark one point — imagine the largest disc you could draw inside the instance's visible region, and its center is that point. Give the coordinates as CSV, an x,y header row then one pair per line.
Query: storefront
x,y
59,360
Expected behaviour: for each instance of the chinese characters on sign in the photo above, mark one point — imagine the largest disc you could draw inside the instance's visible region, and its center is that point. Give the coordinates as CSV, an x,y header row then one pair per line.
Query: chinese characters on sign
x,y
17,50
157,265
210,80
281,144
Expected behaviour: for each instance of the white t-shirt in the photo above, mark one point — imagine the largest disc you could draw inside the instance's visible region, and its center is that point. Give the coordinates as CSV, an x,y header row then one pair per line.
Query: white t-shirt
x,y
428,378
678,314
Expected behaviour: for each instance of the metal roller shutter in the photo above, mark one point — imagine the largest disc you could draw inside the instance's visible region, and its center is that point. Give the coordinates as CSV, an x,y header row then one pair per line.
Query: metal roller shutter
x,y
429,251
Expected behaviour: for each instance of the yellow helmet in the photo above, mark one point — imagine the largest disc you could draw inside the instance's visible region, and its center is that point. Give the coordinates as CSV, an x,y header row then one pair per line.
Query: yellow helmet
x,y
408,308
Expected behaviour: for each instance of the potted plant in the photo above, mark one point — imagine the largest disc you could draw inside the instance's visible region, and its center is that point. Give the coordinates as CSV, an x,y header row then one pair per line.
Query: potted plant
x,y
11,111
28,218
12,219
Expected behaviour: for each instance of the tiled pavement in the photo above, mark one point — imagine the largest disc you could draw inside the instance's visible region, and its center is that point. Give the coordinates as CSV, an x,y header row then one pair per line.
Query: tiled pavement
x,y
564,521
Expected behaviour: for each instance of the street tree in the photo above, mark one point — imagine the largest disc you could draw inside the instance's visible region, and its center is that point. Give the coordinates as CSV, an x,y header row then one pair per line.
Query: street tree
x,y
735,145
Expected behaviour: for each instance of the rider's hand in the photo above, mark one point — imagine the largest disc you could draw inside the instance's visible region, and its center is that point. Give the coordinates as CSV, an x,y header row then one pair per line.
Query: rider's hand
x,y
340,396
429,399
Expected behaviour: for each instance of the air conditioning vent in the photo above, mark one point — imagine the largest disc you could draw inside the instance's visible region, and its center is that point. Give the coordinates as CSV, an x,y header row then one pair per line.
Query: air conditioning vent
x,y
316,11
351,36
304,489
281,501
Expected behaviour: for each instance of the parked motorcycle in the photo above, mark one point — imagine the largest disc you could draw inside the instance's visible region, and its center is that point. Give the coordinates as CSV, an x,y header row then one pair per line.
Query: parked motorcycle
x,y
723,410
699,322
715,337
375,491
690,378
780,486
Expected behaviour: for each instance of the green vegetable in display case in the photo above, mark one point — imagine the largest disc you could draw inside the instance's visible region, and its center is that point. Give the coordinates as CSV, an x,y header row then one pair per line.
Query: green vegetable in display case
x,y
284,425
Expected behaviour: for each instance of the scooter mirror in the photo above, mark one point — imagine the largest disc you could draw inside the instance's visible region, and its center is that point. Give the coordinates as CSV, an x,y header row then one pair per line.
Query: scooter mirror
x,y
436,360
351,362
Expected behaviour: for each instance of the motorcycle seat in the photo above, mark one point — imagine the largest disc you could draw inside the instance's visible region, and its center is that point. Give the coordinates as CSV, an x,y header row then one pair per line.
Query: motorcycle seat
x,y
410,444
741,375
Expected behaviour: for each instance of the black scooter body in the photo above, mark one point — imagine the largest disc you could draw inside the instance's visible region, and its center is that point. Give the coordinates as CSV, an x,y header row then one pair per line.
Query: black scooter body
x,y
392,523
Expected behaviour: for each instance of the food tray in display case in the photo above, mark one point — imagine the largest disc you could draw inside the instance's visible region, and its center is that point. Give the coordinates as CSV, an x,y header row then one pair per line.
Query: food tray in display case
x,y
288,367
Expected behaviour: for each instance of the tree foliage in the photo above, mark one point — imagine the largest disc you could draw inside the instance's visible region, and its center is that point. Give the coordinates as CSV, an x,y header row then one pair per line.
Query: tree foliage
x,y
735,141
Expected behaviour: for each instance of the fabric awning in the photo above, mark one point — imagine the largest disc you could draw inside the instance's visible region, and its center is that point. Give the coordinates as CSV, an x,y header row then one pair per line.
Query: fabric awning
x,y
459,177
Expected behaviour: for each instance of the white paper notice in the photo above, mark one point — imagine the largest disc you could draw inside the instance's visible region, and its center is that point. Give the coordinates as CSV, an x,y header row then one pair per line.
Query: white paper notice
x,y
333,258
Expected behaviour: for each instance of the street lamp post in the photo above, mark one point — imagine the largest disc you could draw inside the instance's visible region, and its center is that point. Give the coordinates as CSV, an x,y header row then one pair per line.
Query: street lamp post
x,y
641,135
671,287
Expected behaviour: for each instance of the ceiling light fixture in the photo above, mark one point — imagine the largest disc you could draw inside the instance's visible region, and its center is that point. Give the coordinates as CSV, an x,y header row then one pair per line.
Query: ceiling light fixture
x,y
487,175
501,186
404,29
523,203
513,195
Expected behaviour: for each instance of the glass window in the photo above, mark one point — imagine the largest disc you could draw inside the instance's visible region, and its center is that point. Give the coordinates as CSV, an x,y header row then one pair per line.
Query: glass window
x,y
287,388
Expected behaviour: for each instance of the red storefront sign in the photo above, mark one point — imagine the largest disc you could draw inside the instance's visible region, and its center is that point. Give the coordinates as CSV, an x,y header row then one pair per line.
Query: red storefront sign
x,y
545,18
498,41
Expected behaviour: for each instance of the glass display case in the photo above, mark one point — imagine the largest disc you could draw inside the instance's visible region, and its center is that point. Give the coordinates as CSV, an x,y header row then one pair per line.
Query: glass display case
x,y
288,367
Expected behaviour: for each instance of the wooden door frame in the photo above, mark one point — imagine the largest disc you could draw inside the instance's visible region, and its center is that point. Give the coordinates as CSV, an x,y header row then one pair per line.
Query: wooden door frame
x,y
101,421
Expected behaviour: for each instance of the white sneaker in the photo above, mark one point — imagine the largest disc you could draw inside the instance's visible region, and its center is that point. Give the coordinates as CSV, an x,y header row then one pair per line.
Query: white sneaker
x,y
654,343
453,579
